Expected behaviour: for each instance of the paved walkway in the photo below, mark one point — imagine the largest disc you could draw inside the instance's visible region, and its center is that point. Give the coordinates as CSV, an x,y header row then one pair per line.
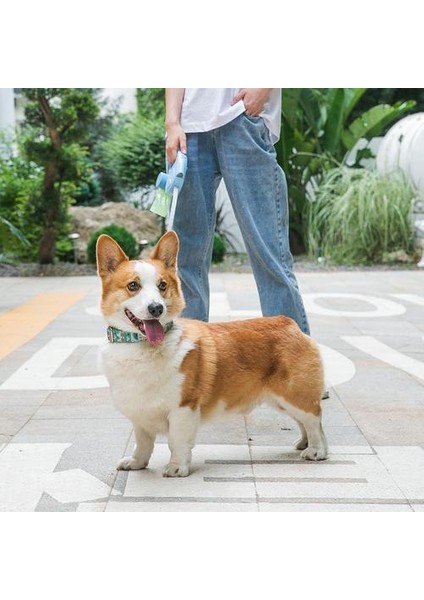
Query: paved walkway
x,y
60,438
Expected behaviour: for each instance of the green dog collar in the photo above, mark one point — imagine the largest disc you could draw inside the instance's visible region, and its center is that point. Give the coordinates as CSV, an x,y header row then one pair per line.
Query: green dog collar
x,y
115,335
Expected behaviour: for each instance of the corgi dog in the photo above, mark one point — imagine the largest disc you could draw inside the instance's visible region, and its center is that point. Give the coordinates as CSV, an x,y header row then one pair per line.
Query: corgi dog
x,y
167,374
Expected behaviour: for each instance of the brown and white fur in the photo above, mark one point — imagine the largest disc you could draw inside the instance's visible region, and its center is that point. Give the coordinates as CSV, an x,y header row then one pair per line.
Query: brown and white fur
x,y
179,378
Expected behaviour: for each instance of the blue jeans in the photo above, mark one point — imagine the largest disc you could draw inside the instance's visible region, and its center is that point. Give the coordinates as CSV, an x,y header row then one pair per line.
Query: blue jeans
x,y
240,152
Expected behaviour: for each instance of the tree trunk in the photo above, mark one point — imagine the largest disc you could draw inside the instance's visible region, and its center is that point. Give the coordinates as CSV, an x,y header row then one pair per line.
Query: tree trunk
x,y
297,245
47,246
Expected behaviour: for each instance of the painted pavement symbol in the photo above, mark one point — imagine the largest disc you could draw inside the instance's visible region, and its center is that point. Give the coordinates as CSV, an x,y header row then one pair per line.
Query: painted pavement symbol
x,y
27,470
42,369
221,474
40,372
225,473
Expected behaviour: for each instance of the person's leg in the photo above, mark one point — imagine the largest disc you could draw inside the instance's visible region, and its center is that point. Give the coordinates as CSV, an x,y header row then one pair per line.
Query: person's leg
x,y
195,223
257,188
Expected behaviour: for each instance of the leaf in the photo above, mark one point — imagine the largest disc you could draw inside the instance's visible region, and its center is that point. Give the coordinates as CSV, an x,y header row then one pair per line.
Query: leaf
x,y
352,97
363,153
311,109
284,146
14,231
289,105
334,124
400,108
372,123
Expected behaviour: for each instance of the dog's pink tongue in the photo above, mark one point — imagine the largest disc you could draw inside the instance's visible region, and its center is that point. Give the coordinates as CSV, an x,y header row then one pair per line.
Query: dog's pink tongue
x,y
154,331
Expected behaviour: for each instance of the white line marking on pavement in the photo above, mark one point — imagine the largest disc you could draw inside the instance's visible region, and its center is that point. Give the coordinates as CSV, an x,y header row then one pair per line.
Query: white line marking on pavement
x,y
378,485
382,307
233,477
27,470
219,305
113,506
151,483
405,464
413,298
337,367
381,351
245,314
94,310
277,476
76,485
37,373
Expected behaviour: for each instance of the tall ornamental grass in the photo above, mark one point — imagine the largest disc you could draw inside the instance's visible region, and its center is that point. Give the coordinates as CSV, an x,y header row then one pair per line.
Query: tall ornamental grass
x,y
360,216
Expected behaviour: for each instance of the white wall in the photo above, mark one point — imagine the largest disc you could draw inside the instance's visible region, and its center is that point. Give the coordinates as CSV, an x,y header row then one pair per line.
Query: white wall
x,y
7,109
127,97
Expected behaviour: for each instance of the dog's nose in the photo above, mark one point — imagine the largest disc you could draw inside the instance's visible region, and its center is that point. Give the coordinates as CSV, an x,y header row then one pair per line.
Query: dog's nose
x,y
155,309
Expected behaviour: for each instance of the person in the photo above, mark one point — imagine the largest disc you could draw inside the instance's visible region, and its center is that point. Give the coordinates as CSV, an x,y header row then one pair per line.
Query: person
x,y
230,133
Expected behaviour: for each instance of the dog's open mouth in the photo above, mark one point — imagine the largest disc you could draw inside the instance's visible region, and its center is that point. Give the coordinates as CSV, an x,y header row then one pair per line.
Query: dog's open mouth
x,y
151,328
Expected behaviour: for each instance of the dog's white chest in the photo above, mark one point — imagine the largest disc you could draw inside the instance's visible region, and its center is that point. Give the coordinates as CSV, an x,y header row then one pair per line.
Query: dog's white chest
x,y
145,382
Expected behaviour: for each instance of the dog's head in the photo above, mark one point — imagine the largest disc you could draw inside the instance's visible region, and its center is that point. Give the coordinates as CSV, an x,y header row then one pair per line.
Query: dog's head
x,y
140,295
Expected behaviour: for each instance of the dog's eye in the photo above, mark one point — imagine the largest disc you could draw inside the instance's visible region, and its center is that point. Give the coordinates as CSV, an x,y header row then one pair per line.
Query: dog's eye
x,y
162,286
133,286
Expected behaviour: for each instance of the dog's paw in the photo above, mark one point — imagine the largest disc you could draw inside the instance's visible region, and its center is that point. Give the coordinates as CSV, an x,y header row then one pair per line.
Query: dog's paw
x,y
312,453
174,470
129,463
301,443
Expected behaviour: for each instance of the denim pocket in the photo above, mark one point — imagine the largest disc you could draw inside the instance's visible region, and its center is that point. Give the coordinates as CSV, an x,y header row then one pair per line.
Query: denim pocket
x,y
253,119
260,131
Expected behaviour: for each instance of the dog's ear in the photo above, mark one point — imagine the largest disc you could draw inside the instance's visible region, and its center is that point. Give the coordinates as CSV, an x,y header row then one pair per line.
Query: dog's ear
x,y
166,249
109,255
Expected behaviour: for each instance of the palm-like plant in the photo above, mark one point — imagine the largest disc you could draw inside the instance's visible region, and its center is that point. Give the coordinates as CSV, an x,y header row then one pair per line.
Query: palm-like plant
x,y
318,131
8,231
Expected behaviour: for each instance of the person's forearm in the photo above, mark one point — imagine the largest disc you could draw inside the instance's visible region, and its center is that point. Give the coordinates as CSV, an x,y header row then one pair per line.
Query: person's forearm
x,y
173,102
175,136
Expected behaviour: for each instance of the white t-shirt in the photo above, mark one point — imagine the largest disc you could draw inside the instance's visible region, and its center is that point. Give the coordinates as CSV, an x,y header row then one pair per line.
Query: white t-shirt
x,y
205,109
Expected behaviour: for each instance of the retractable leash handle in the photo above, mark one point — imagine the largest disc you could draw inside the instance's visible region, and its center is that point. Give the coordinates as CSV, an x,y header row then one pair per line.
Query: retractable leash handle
x,y
174,176
170,183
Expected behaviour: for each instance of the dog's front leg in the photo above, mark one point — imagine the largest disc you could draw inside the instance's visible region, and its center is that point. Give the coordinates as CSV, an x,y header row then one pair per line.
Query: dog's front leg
x,y
142,451
183,423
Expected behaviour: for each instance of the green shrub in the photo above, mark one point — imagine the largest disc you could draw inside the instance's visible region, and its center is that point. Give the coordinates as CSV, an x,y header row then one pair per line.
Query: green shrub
x,y
133,155
360,216
20,188
121,235
88,192
219,249
65,250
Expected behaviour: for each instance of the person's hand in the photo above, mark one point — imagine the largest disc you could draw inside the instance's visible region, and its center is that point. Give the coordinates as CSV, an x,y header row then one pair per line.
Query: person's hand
x,y
253,98
175,140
